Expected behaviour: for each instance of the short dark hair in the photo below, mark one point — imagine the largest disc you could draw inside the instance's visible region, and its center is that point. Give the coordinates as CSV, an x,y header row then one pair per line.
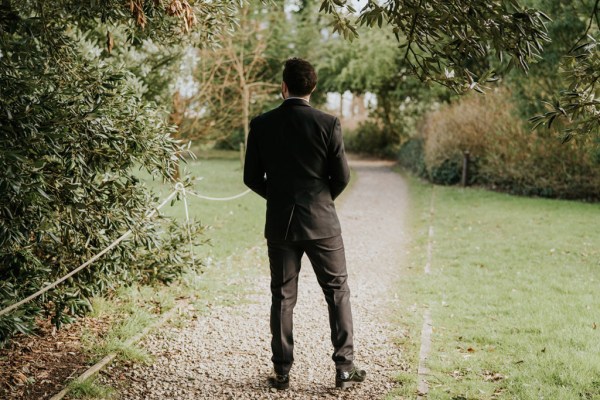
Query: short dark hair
x,y
299,76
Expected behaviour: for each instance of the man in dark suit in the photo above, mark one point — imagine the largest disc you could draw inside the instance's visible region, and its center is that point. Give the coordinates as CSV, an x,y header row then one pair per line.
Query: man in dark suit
x,y
295,159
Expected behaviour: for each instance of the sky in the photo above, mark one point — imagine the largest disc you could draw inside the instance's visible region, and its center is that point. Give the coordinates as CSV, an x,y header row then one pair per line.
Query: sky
x,y
357,4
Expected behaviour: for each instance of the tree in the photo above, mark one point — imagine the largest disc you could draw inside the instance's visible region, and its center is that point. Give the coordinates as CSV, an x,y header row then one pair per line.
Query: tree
x,y
450,41
456,39
577,106
373,63
75,124
239,78
544,79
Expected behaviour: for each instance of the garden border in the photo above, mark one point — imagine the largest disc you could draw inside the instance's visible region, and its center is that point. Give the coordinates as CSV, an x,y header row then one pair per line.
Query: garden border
x,y
94,369
427,328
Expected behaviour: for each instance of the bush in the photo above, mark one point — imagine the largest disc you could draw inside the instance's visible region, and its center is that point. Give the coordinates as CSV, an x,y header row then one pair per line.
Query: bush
x,y
411,156
505,154
373,138
388,129
74,130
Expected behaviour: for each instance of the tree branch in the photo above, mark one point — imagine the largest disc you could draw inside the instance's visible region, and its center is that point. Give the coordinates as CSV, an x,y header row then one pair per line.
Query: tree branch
x,y
412,32
587,30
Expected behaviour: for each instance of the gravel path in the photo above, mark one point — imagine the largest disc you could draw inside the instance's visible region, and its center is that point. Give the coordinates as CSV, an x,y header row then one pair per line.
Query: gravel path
x,y
225,353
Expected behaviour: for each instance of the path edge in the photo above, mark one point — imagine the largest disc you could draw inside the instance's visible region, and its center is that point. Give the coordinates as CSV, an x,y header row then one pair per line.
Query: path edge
x,y
427,328
94,369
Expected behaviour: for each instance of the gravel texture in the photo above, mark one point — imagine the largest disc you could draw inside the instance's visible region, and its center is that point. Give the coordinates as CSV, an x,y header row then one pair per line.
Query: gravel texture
x,y
224,354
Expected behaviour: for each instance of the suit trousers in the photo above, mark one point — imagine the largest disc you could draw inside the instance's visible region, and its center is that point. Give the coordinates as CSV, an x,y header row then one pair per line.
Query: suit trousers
x,y
329,263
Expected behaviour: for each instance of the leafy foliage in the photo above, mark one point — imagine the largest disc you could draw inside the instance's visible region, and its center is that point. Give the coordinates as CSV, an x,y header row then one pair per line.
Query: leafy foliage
x,y
505,155
75,125
578,106
560,88
450,41
544,79
367,64
464,44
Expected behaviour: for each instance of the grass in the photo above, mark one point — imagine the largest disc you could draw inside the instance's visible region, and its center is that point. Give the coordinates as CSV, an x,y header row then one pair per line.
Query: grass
x,y
89,389
231,255
512,294
232,225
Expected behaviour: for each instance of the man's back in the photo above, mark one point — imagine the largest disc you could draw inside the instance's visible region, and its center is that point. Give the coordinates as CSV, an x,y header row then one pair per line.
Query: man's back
x,y
300,150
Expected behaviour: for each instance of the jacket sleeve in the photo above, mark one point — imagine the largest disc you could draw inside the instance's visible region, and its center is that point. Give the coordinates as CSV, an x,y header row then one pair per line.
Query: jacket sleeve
x,y
254,171
339,173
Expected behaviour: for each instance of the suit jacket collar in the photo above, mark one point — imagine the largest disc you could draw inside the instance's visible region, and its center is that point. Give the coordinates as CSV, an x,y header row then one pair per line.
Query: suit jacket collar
x,y
295,102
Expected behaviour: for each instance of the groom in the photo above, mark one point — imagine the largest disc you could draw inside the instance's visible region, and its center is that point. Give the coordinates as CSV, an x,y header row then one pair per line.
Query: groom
x,y
295,159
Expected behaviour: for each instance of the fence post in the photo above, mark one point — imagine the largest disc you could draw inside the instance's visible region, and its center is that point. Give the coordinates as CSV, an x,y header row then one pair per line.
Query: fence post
x,y
465,169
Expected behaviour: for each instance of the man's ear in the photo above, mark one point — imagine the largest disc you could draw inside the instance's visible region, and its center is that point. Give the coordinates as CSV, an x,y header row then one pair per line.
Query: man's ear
x,y
284,90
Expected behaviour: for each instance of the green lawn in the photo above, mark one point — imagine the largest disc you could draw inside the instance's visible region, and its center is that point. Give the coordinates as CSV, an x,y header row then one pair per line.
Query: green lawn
x,y
513,294
512,291
235,228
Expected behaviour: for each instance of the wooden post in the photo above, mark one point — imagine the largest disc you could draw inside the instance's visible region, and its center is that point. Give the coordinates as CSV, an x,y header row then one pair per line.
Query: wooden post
x,y
464,180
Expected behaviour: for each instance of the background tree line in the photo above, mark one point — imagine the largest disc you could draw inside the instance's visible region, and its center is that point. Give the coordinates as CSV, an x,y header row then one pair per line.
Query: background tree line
x,y
536,69
420,118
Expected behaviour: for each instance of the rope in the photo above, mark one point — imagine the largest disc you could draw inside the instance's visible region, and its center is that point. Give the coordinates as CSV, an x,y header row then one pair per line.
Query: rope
x,y
237,196
179,187
124,236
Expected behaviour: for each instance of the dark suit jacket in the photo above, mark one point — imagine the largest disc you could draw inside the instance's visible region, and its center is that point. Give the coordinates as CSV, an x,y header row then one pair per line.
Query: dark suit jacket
x,y
295,159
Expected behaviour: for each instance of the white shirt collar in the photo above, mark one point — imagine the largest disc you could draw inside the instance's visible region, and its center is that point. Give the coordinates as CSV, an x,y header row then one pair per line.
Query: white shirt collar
x,y
300,98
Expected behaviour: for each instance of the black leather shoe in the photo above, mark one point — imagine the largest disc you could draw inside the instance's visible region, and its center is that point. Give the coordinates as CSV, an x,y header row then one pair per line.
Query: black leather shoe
x,y
345,379
279,382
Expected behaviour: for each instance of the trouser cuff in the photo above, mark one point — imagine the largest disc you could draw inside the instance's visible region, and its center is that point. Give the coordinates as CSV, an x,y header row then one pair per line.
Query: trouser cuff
x,y
344,367
282,369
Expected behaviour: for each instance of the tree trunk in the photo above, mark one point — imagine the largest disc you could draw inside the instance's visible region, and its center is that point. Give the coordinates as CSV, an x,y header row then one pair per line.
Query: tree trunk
x,y
246,111
360,106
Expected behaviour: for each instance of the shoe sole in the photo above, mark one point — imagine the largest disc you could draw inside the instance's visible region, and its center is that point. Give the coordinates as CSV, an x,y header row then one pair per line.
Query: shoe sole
x,y
277,387
345,385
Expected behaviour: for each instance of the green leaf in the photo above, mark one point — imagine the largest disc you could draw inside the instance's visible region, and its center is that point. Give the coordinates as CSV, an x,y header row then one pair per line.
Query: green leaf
x,y
44,194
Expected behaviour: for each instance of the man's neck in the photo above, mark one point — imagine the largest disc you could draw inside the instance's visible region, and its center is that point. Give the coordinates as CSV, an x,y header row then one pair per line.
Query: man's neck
x,y
306,98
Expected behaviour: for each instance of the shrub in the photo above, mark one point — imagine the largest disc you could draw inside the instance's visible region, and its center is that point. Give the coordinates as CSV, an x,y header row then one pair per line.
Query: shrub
x,y
505,154
412,157
383,134
73,132
373,138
